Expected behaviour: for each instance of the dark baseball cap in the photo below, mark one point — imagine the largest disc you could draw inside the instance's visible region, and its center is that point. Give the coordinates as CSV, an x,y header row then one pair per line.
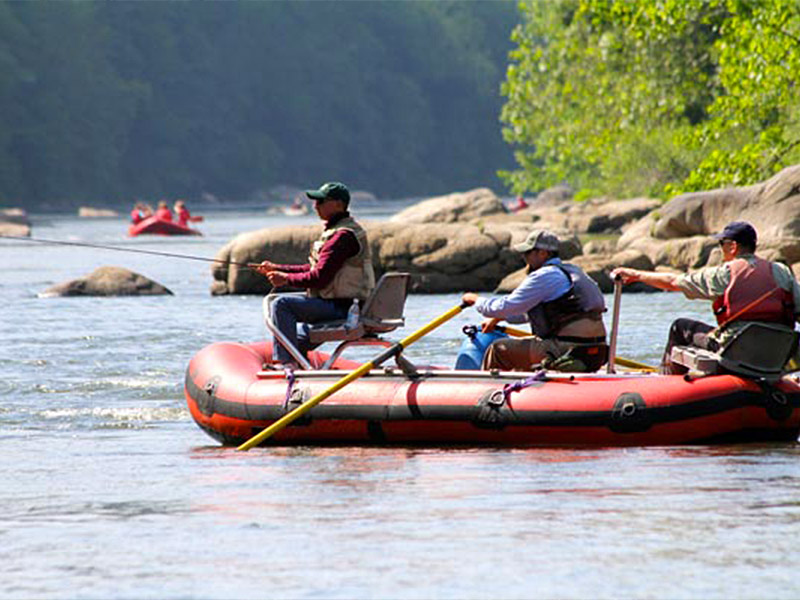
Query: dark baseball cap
x,y
739,231
541,239
333,190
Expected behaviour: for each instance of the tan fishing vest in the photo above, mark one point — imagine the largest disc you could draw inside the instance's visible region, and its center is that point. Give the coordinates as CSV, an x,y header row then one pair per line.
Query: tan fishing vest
x,y
355,279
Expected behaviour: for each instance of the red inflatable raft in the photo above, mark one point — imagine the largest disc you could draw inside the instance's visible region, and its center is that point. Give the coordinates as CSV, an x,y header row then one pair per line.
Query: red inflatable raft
x,y
232,395
155,226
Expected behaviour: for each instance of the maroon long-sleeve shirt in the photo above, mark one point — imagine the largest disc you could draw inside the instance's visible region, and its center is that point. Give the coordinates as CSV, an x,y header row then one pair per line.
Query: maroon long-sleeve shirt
x,y
333,254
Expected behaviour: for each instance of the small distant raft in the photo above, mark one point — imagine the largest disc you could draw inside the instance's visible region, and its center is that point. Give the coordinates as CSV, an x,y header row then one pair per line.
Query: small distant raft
x,y
155,226
233,394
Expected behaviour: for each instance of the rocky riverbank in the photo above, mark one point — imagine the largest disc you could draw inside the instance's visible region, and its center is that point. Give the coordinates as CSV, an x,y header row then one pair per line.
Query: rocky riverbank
x,y
462,241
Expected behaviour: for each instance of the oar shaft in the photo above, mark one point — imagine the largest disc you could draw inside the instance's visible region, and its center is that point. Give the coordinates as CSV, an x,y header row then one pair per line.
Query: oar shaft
x,y
431,326
633,364
350,377
512,331
612,347
304,408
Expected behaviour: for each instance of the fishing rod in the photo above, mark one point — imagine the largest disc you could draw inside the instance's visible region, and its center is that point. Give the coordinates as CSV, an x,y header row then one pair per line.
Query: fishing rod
x,y
135,250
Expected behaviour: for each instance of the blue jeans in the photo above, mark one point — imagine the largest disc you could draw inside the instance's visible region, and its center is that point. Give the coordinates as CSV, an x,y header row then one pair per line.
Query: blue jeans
x,y
289,311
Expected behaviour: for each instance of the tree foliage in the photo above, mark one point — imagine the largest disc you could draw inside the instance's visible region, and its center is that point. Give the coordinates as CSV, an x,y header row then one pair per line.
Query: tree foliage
x,y
652,97
114,100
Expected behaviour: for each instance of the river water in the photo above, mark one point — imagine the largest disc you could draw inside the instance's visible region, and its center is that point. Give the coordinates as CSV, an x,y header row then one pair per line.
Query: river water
x,y
111,491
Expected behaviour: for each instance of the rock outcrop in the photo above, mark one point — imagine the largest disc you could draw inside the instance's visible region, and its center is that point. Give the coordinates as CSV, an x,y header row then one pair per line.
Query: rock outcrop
x,y
91,212
462,206
442,257
14,222
677,234
463,241
108,281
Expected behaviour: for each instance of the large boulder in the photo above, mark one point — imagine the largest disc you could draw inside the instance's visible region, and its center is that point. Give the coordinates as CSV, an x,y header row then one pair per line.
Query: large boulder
x,y
678,234
596,266
461,206
108,281
442,257
92,212
772,206
230,272
592,216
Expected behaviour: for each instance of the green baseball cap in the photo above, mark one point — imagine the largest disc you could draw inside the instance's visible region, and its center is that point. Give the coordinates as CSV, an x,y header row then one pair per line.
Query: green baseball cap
x,y
333,190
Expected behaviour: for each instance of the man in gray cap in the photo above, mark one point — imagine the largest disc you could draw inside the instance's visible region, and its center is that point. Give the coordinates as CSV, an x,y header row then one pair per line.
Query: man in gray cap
x,y
338,271
564,308
744,288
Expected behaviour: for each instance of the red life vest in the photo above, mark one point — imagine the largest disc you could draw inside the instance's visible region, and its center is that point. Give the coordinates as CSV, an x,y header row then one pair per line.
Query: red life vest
x,y
183,216
753,295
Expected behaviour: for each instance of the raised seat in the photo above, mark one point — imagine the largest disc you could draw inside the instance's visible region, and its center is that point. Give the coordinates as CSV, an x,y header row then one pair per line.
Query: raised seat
x,y
759,350
382,313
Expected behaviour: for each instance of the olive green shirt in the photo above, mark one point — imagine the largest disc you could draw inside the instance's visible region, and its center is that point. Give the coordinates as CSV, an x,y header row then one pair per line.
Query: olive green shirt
x,y
709,283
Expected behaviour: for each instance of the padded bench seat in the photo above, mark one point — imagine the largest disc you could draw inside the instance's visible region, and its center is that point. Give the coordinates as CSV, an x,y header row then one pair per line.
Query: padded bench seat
x,y
759,350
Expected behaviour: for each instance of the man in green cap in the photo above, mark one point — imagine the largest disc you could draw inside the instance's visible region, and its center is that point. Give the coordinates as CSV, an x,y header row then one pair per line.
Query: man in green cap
x,y
339,270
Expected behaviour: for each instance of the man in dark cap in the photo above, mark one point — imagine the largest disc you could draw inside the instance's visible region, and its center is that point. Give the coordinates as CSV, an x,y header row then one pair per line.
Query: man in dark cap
x,y
339,270
564,308
743,289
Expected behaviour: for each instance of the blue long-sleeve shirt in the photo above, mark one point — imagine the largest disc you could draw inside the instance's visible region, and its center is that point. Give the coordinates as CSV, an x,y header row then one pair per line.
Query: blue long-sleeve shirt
x,y
546,283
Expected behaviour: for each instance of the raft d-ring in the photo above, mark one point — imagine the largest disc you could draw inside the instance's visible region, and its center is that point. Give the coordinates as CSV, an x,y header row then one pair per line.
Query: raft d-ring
x,y
780,398
497,398
628,409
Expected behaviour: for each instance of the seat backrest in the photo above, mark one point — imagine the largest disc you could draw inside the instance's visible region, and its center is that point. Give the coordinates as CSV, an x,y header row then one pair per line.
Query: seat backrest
x,y
759,350
383,310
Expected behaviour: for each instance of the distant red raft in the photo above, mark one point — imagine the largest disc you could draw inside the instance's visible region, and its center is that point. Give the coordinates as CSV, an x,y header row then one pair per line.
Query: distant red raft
x,y
154,226
232,395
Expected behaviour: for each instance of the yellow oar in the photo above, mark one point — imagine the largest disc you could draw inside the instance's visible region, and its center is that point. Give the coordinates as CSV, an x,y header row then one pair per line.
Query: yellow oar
x,y
352,376
625,362
632,364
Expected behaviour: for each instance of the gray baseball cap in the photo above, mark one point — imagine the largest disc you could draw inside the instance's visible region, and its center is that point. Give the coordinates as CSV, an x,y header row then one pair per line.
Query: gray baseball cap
x,y
541,239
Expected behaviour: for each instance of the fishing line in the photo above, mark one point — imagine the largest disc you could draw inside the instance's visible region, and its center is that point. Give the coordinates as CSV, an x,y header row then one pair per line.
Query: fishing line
x,y
135,250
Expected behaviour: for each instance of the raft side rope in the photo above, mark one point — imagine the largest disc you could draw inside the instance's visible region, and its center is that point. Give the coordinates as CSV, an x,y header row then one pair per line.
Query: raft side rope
x,y
290,378
521,384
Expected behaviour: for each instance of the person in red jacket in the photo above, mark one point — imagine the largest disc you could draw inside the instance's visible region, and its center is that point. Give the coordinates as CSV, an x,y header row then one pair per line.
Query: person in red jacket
x,y
163,213
744,288
183,215
140,212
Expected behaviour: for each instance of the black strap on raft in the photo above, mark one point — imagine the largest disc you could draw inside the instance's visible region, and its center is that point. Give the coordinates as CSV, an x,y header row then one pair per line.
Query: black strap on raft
x,y
572,339
407,367
776,402
489,413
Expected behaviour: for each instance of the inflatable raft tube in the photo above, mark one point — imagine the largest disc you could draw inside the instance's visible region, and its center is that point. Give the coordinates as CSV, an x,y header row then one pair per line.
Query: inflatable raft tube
x,y
233,394
154,226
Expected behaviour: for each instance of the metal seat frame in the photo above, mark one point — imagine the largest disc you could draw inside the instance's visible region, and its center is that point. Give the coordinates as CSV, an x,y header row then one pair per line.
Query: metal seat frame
x,y
382,313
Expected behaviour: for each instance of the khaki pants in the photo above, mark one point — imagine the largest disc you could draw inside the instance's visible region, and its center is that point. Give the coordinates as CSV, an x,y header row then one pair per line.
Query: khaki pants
x,y
520,354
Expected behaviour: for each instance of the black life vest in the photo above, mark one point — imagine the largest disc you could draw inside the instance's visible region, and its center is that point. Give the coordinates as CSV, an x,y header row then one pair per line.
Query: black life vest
x,y
582,300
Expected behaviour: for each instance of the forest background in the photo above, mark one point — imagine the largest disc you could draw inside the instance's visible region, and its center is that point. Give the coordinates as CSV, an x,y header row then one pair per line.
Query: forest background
x,y
106,102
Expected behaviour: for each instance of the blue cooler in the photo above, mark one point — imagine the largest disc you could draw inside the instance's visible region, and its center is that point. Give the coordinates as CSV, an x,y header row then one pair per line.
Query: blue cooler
x,y
470,355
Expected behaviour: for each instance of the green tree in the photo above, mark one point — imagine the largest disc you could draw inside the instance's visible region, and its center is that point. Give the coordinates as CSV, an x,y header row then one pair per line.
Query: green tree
x,y
652,97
